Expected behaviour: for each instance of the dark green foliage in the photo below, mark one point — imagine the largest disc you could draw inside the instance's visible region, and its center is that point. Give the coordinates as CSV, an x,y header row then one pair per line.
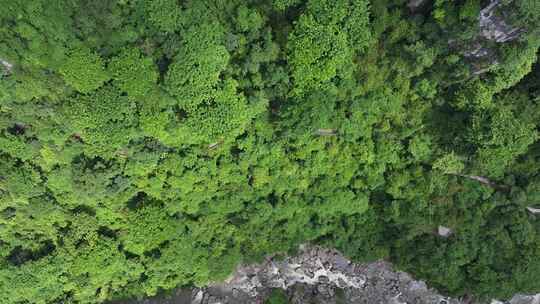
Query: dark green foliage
x,y
146,145
195,72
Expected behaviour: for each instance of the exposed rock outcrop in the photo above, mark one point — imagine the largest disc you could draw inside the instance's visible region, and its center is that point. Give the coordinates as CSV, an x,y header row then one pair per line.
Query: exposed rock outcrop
x,y
493,25
318,275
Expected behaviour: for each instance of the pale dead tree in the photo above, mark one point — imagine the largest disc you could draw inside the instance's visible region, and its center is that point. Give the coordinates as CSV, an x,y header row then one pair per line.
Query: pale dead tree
x,y
326,132
7,66
444,231
533,210
212,146
484,180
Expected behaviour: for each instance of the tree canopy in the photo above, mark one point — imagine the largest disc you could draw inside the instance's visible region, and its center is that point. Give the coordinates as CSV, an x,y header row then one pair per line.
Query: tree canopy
x,y
147,145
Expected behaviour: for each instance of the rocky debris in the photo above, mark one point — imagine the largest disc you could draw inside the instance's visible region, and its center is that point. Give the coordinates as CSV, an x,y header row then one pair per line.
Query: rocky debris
x,y
493,26
482,58
318,276
313,266
478,51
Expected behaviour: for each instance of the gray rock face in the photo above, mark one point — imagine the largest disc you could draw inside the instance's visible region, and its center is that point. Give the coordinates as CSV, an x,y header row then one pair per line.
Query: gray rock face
x,y
493,26
320,275
478,51
315,266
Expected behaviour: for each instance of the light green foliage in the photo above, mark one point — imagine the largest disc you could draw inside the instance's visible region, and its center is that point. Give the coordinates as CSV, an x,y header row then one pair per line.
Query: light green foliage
x,y
19,183
100,270
33,282
214,108
420,148
154,228
357,25
249,19
316,53
228,114
509,136
133,73
318,50
153,116
449,164
163,14
84,70
146,145
102,120
194,75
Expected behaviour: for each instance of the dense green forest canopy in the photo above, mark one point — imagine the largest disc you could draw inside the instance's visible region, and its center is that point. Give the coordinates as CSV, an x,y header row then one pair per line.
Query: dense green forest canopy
x,y
151,144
